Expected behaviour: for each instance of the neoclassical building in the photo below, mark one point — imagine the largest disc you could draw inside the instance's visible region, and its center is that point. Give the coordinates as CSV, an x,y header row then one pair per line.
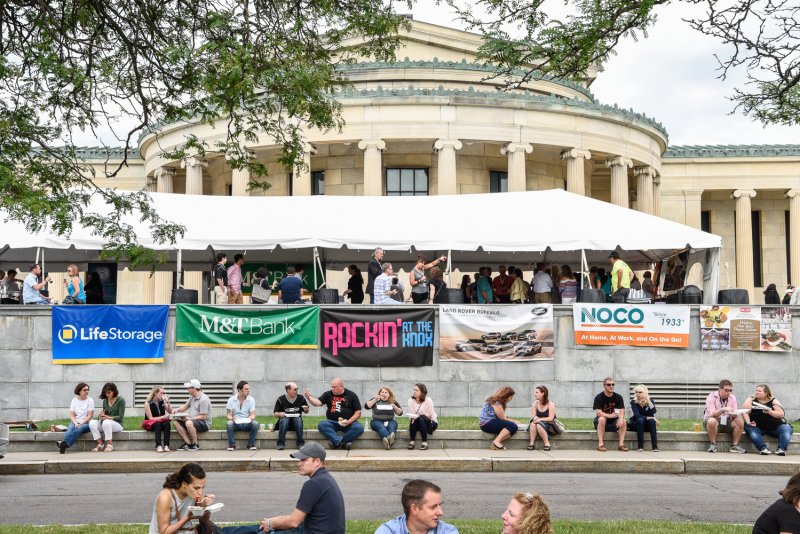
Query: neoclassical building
x,y
435,123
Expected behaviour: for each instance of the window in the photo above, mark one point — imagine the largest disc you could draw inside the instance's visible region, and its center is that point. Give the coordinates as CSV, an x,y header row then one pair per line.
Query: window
x,y
705,221
291,184
498,182
787,224
318,183
406,182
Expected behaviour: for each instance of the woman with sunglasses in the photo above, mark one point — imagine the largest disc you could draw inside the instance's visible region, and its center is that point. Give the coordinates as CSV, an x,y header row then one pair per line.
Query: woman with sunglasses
x,y
81,411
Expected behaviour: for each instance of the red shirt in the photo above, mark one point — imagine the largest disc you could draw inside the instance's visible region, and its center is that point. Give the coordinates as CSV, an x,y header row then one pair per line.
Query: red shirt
x,y
501,285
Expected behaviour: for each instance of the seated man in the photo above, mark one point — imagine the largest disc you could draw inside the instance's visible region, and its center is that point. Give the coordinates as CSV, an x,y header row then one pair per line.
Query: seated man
x,y
719,417
343,412
199,416
422,507
609,408
289,410
290,288
241,412
32,286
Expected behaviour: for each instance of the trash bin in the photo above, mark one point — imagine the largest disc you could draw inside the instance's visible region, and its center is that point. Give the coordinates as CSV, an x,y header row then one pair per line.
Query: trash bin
x,y
692,295
733,296
325,296
591,295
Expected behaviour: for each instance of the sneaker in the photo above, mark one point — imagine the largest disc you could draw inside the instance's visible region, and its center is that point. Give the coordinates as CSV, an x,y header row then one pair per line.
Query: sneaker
x,y
640,449
62,447
159,449
765,452
780,452
193,447
185,447
712,447
280,447
655,449
346,445
386,443
738,449
231,447
391,439
253,448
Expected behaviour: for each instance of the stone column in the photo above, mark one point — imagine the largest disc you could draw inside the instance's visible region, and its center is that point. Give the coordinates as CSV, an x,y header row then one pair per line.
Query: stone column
x,y
644,187
164,179
151,185
794,232
576,181
239,180
517,178
657,196
447,165
302,174
194,174
693,202
373,166
744,241
619,180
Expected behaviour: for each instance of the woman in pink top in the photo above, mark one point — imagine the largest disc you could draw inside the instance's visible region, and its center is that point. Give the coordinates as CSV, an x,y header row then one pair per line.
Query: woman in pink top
x,y
423,416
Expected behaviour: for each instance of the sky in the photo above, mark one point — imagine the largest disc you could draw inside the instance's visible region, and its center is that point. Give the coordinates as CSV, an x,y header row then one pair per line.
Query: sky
x,y
671,77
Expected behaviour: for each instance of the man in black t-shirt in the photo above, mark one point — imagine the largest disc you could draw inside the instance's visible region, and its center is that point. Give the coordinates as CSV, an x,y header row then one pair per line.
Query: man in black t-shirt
x,y
320,507
343,412
289,410
221,279
609,408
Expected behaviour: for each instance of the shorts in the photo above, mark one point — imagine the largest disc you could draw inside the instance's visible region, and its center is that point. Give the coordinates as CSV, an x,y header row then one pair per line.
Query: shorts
x,y
611,424
200,425
722,429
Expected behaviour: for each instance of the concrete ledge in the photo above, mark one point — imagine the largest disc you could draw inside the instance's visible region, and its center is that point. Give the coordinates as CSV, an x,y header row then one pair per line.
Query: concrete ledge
x,y
22,468
756,465
428,464
586,465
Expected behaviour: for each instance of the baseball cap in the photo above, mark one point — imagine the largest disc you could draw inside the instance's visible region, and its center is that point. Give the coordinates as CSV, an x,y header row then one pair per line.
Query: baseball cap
x,y
193,383
614,255
312,449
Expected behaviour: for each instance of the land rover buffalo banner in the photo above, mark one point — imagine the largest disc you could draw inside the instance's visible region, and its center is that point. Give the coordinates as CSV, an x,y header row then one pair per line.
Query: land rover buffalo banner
x,y
109,334
647,325
522,332
758,328
377,338
210,326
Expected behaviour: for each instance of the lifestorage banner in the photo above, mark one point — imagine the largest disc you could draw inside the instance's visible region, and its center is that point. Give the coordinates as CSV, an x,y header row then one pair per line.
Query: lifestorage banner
x,y
395,337
647,325
757,328
109,334
482,332
235,328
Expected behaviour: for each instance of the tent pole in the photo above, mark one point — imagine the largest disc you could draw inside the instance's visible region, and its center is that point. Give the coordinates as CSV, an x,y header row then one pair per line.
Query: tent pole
x,y
584,267
449,268
318,263
314,261
179,271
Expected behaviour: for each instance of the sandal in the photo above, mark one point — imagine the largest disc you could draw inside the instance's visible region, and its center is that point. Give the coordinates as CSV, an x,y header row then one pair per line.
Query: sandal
x,y
99,448
423,447
495,447
109,448
410,446
547,447
532,447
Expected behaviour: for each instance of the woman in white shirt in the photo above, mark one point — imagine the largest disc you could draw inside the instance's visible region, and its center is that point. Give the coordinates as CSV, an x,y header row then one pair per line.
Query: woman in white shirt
x,y
81,411
423,416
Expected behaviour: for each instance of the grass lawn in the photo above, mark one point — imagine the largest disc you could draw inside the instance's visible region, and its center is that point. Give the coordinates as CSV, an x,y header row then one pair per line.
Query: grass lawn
x,y
445,423
472,526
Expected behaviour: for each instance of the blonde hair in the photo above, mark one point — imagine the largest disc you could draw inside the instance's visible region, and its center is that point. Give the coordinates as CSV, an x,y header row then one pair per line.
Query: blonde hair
x,y
535,514
392,398
153,392
72,266
645,400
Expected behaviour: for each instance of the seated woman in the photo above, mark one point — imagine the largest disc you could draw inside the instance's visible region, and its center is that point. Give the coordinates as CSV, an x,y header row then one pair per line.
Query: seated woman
x,y
110,418
493,417
766,417
423,416
157,409
543,412
74,285
384,407
644,416
81,411
527,513
782,515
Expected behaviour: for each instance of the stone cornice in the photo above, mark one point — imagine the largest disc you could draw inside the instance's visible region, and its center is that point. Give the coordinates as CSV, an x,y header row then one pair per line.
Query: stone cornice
x,y
732,151
106,153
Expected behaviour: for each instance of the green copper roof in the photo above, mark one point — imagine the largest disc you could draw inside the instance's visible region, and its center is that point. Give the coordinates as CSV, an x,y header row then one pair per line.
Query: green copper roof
x,y
461,65
731,151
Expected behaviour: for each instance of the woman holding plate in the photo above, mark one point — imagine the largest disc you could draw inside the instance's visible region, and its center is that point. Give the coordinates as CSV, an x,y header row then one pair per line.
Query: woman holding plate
x,y
766,416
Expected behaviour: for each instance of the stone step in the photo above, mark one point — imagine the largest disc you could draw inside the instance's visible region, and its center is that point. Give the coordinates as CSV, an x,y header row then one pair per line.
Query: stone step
x,y
441,439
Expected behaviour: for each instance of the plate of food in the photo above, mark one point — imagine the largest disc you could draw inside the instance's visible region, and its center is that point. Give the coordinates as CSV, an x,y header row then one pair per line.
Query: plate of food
x,y
199,510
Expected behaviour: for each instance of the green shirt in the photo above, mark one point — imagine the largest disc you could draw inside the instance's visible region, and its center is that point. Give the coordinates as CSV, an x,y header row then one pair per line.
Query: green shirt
x,y
627,274
117,411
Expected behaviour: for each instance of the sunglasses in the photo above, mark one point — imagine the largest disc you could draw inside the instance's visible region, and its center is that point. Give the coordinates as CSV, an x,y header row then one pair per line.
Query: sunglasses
x,y
728,390
610,385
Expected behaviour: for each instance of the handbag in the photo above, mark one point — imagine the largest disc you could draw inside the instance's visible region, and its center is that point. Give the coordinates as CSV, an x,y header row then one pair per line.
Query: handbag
x,y
147,424
558,427
259,294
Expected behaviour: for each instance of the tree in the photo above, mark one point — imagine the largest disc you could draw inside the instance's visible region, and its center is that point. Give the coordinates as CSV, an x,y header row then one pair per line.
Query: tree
x,y
264,66
526,36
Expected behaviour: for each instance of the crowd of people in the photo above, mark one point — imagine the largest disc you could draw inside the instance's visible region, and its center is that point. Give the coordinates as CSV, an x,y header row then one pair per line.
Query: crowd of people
x,y
34,288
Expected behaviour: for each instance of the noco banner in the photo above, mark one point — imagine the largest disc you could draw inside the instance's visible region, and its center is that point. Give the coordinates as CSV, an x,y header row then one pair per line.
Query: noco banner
x,y
109,334
648,325
210,326
377,338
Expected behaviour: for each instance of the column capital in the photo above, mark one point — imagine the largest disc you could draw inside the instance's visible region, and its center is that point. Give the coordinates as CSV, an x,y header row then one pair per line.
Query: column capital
x,y
510,148
646,170
364,144
657,179
619,161
193,161
447,143
791,193
695,194
739,193
573,153
164,172
310,148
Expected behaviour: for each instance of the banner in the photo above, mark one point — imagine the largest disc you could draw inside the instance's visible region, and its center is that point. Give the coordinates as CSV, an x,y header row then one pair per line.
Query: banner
x,y
644,325
237,328
394,337
109,334
757,328
522,332
277,272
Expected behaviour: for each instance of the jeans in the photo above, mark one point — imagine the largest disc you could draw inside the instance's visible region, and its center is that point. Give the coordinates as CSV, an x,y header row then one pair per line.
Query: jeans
x,y
495,426
256,529
286,423
643,423
783,433
383,430
330,428
232,427
621,296
73,432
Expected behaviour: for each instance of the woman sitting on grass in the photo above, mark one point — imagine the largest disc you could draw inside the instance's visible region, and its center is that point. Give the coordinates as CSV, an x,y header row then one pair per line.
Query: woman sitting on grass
x,y
783,515
493,417
527,513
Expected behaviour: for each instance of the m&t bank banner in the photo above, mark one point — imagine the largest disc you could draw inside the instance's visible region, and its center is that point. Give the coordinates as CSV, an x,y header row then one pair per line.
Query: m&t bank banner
x,y
209,326
109,334
376,338
648,325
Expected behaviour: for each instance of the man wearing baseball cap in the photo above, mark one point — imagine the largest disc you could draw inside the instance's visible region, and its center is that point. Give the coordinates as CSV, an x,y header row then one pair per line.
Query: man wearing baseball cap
x,y
320,507
199,417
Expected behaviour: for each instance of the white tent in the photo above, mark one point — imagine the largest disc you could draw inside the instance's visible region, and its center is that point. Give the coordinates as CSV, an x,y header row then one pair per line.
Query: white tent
x,y
518,228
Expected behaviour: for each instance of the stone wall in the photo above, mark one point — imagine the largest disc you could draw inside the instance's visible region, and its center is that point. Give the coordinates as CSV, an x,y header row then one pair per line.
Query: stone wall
x,y
32,387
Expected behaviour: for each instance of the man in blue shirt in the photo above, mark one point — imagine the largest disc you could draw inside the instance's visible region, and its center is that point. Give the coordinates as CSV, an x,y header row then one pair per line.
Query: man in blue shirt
x,y
241,412
422,504
290,287
32,286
